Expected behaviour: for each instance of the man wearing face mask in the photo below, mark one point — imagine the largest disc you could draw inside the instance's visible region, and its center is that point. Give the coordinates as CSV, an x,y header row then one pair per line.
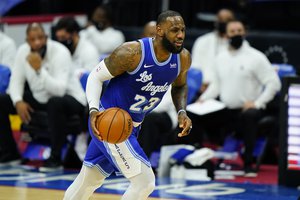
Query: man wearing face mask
x,y
245,82
101,33
208,46
84,53
52,88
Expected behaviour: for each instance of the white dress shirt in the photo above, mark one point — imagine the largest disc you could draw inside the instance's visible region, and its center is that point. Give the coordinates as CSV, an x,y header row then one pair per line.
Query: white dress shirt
x,y
85,57
243,75
7,50
204,52
55,78
105,41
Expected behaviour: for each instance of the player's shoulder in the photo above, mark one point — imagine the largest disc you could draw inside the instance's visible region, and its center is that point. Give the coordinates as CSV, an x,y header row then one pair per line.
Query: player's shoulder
x,y
127,56
131,49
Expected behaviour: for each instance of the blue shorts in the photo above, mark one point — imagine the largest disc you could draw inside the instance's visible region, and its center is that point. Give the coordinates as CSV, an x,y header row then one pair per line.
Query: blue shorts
x,y
124,158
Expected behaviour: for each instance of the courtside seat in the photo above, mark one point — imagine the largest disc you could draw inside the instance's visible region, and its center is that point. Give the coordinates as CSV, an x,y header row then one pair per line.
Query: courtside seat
x,y
194,82
38,147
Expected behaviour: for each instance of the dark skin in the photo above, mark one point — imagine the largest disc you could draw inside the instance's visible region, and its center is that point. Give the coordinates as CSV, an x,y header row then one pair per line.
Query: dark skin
x,y
127,57
36,38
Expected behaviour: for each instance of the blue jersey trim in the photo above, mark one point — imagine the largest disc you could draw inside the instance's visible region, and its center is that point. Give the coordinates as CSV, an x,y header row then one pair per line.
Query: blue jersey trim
x,y
154,57
179,64
102,171
136,155
142,59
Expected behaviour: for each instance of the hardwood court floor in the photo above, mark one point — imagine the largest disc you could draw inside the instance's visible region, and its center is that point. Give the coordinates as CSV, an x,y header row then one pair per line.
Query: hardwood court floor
x,y
23,193
17,183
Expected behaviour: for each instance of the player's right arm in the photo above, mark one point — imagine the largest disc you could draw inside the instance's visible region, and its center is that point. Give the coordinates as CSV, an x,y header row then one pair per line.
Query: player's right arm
x,y
124,58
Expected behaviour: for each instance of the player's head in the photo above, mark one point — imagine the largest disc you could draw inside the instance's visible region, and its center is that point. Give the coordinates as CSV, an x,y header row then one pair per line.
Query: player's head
x,y
235,31
223,17
102,17
66,32
171,30
149,29
36,38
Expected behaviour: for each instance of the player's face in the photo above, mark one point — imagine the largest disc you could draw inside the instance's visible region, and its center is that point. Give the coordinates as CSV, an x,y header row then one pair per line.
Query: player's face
x,y
36,39
173,34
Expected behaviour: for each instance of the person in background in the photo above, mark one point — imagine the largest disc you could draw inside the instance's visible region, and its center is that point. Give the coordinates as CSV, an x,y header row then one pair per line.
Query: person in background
x,y
52,87
84,58
84,54
140,73
149,29
8,50
245,82
208,46
101,33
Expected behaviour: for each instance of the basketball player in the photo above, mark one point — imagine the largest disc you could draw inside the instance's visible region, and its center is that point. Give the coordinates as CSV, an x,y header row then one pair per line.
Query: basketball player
x,y
140,72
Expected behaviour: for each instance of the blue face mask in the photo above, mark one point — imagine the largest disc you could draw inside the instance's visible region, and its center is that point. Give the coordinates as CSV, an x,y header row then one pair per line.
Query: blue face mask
x,y
236,41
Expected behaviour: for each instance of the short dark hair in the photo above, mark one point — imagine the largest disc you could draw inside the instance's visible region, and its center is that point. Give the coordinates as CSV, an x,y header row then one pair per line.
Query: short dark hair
x,y
69,24
34,25
165,14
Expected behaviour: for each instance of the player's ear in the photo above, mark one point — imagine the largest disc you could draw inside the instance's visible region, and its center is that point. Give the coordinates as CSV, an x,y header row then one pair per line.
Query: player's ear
x,y
159,31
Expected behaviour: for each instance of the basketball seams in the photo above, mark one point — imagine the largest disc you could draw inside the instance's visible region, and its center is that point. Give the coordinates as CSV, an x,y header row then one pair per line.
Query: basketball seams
x,y
123,128
111,122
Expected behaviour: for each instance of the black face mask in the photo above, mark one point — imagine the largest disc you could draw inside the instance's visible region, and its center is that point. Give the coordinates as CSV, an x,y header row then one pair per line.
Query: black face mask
x,y
221,27
69,44
236,41
98,25
169,46
41,51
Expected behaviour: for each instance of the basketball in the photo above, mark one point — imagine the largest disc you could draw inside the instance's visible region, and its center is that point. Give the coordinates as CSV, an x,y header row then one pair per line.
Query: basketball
x,y
114,125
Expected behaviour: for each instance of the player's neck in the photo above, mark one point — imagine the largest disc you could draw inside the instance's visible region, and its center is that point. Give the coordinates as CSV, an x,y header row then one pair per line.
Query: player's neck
x,y
160,52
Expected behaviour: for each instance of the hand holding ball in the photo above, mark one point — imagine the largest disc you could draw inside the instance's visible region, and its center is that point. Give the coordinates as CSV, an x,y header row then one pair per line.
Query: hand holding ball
x,y
114,125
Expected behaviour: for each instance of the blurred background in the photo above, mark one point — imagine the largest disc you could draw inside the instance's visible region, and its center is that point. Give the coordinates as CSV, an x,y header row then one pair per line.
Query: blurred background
x,y
274,20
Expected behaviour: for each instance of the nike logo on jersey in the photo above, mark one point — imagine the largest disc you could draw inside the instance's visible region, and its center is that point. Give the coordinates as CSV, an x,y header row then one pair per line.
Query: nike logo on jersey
x,y
147,66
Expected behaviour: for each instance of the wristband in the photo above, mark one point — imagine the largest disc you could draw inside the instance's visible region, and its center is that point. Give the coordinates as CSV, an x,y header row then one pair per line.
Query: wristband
x,y
93,109
181,110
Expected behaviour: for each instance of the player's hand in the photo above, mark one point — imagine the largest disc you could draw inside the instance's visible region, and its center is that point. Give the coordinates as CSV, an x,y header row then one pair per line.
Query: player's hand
x,y
23,110
185,123
35,60
93,118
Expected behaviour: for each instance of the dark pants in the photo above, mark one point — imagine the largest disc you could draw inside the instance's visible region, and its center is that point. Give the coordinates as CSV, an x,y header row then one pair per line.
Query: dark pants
x,y
58,109
219,124
154,132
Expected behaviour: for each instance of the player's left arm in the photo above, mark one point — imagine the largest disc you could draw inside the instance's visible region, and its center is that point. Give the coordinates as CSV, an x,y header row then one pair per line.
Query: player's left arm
x,y
179,94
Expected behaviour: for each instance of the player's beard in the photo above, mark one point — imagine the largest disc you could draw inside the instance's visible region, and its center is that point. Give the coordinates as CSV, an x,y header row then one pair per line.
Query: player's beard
x,y
169,46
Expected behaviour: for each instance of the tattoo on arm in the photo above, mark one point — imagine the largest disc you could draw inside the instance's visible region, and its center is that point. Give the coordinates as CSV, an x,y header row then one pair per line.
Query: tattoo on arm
x,y
124,58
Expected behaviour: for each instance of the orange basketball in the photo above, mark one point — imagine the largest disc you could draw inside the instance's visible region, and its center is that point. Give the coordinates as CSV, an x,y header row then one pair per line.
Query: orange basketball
x,y
114,125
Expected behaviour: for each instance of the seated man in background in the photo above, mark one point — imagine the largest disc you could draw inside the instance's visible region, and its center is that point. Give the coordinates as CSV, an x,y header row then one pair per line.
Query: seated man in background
x,y
84,58
208,46
84,54
52,87
245,82
101,32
